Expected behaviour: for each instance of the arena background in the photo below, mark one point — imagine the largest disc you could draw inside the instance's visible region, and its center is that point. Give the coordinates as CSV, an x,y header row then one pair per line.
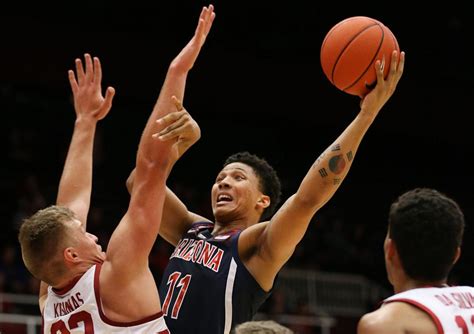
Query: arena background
x,y
257,86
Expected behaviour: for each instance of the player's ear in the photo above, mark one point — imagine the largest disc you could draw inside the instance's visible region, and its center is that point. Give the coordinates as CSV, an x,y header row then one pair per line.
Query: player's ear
x,y
264,201
389,248
457,255
70,255
392,252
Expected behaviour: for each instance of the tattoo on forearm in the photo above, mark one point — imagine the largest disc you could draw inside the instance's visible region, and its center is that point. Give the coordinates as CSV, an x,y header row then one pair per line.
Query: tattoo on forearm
x,y
349,156
336,147
336,181
323,172
337,164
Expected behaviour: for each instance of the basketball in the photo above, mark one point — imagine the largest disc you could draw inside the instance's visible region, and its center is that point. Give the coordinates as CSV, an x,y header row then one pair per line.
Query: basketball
x,y
350,50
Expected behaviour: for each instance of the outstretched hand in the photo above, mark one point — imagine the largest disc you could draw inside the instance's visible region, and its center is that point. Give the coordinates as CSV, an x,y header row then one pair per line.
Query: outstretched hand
x,y
184,61
87,91
375,100
180,126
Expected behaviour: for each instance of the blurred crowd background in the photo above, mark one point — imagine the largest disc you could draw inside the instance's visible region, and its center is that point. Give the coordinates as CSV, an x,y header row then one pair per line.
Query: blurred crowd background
x,y
257,86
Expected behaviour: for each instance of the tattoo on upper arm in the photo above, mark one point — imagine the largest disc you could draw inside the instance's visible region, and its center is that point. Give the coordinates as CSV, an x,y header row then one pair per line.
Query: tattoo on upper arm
x,y
336,181
318,160
349,156
337,164
336,147
323,172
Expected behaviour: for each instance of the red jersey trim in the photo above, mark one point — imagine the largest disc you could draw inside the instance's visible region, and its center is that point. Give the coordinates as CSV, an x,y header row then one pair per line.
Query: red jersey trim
x,y
67,288
423,308
112,322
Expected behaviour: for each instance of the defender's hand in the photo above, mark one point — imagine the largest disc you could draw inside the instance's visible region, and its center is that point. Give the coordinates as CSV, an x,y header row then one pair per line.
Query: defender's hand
x,y
179,126
86,89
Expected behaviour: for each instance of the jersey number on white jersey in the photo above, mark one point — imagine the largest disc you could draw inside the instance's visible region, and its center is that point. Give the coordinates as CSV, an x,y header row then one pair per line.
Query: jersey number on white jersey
x,y
467,327
74,320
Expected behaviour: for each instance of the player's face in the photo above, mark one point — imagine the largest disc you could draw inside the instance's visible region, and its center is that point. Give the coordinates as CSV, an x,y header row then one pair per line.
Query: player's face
x,y
86,243
235,193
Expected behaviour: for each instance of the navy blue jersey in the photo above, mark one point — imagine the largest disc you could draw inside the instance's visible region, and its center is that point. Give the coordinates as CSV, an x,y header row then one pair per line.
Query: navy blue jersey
x,y
205,287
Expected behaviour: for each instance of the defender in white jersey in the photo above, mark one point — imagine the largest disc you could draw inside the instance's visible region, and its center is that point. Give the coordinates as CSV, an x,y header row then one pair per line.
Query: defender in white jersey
x,y
78,309
450,308
422,245
84,290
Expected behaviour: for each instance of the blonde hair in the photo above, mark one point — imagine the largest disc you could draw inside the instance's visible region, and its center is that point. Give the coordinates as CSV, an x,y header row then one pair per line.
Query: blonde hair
x,y
262,327
42,238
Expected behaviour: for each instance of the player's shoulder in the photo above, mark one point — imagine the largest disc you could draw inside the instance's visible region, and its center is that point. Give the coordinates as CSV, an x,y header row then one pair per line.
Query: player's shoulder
x,y
378,321
396,317
251,235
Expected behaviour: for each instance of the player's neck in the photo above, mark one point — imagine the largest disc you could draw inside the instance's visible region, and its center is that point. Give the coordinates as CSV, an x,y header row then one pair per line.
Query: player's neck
x,y
410,284
71,277
66,284
229,223
221,228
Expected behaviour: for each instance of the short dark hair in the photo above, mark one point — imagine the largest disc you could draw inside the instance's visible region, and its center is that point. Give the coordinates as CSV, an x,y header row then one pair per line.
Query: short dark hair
x,y
427,228
269,182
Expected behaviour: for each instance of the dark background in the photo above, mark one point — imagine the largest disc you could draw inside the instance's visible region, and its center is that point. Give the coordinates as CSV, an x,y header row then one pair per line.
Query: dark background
x,y
257,85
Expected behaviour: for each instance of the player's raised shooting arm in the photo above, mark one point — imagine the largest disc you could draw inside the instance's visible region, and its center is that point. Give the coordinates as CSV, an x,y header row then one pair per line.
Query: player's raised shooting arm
x,y
90,106
289,224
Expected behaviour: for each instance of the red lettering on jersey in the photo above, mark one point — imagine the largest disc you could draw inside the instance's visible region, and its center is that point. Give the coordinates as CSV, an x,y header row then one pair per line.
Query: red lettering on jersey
x,y
74,302
469,299
185,250
62,309
444,299
197,250
189,251
66,307
178,248
215,262
79,298
56,309
200,252
206,253
458,298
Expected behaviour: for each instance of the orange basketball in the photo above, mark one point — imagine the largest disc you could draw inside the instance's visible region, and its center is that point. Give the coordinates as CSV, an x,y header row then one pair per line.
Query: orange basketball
x,y
350,50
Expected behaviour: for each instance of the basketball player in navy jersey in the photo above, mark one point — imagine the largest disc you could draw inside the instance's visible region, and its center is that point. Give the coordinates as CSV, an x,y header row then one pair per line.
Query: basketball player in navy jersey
x,y
425,230
222,271
84,289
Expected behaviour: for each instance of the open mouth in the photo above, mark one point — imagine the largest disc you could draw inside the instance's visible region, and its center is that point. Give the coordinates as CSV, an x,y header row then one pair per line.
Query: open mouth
x,y
223,198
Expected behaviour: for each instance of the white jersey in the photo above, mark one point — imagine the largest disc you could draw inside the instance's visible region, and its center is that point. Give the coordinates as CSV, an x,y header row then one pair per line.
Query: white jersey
x,y
78,309
451,308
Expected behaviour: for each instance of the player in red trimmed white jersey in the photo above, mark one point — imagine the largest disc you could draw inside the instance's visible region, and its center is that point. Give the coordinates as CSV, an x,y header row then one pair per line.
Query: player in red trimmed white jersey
x,y
450,308
77,308
83,289
422,245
